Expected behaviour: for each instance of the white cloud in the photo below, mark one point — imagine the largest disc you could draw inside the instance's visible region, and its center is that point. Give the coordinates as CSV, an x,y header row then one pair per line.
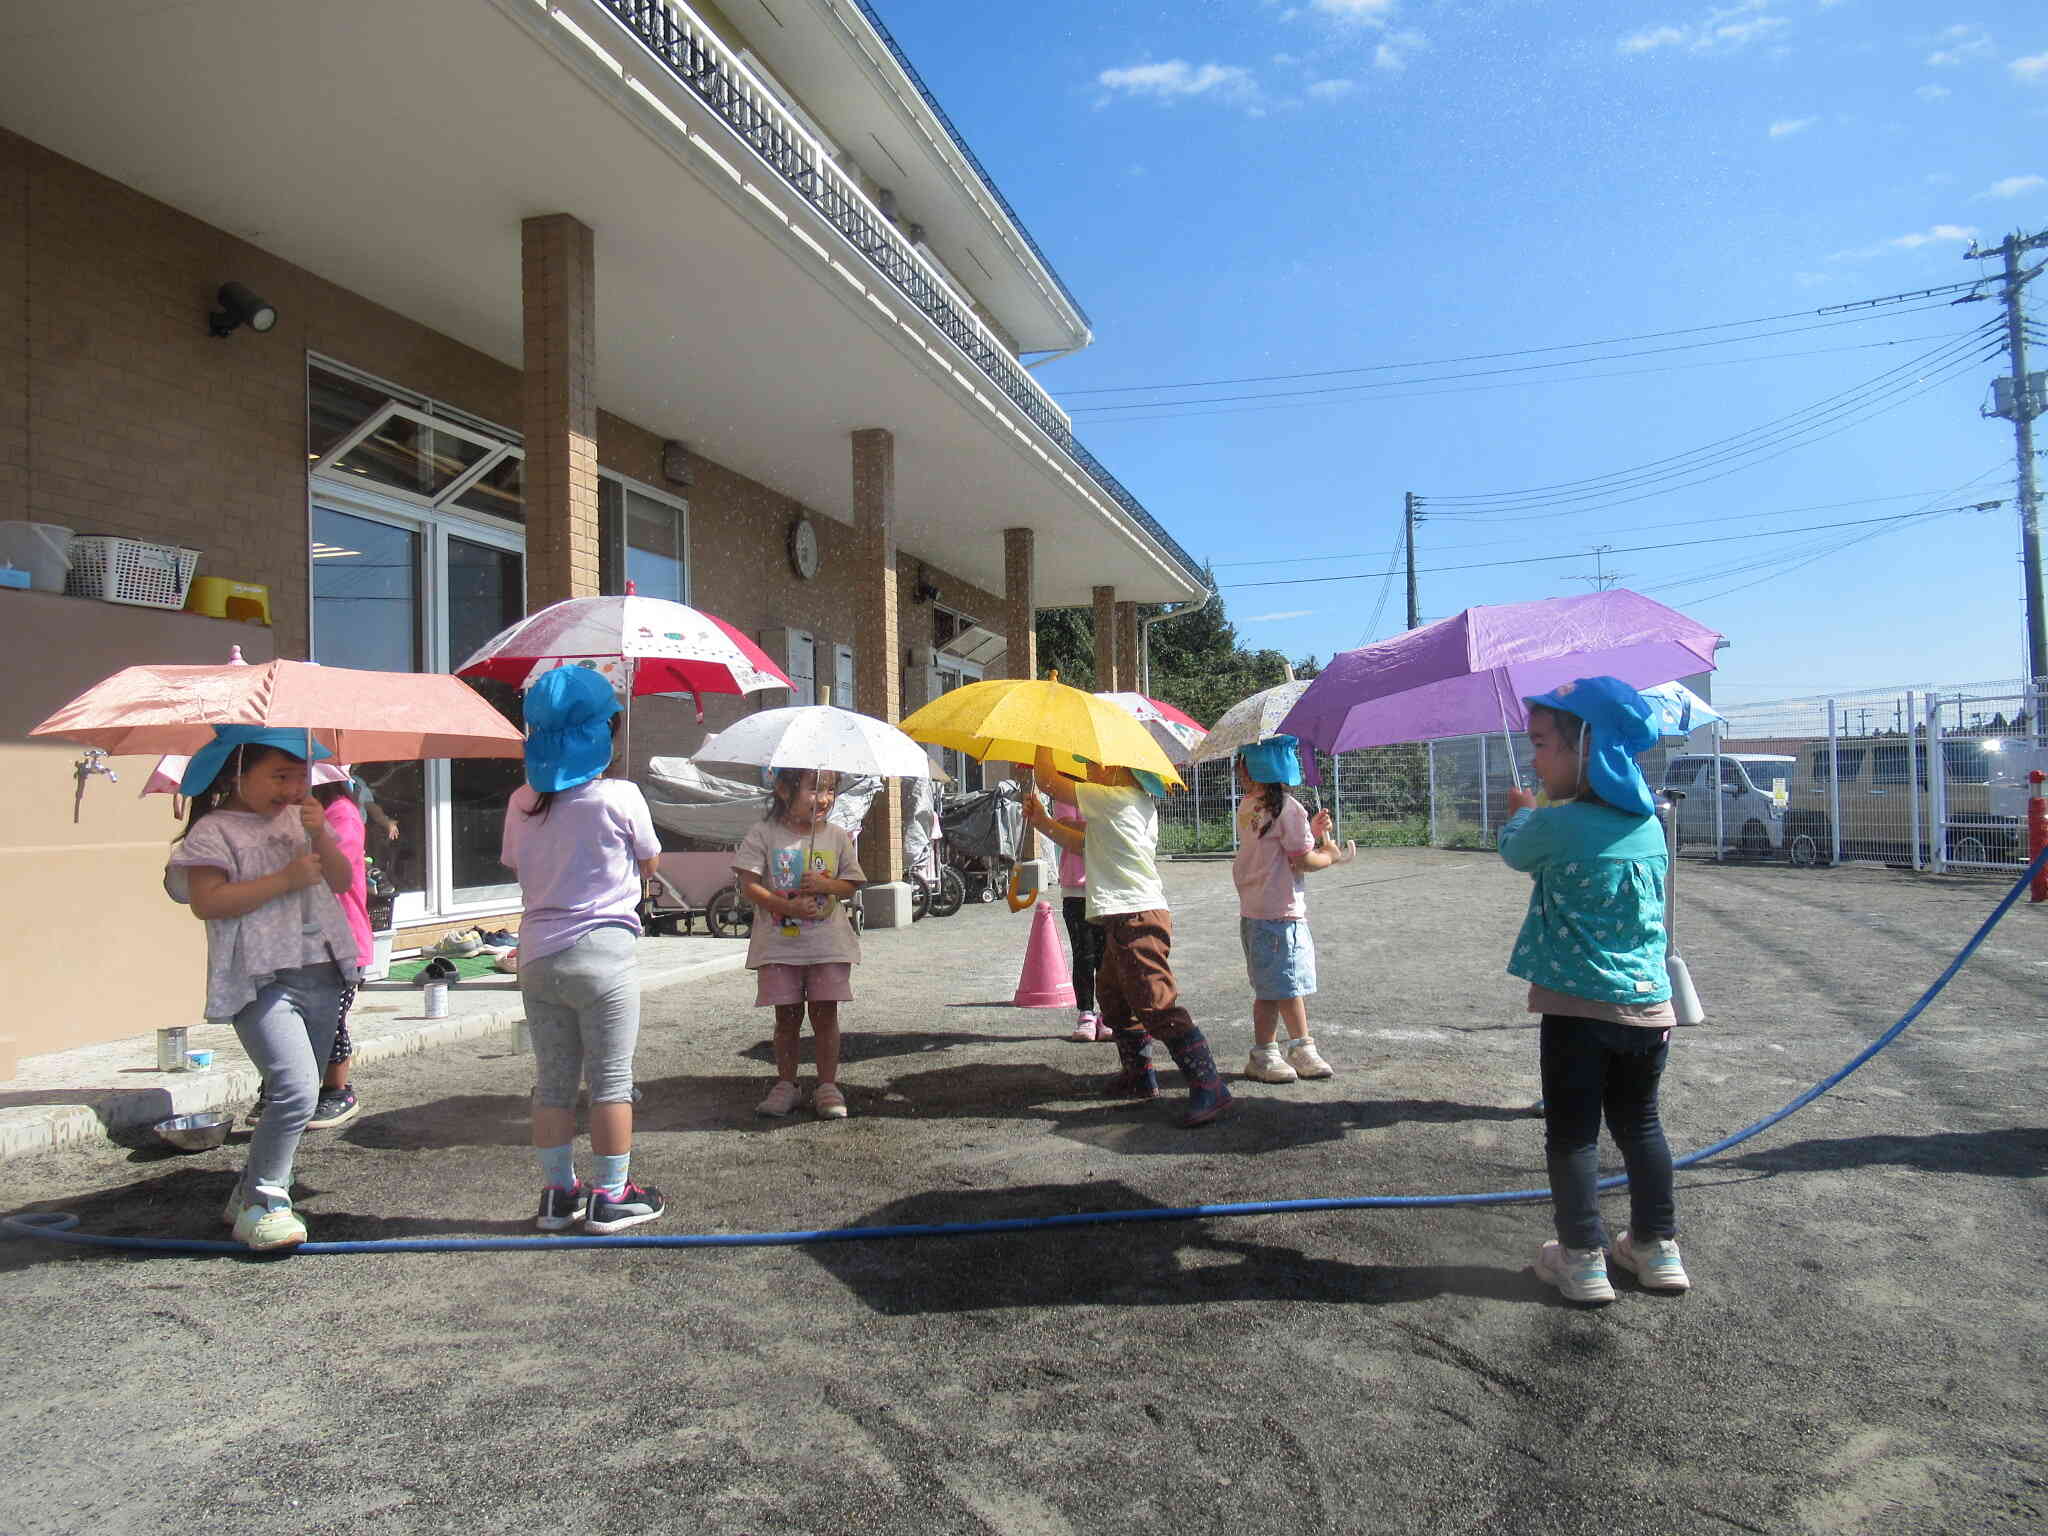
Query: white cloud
x,y
1785,127
1272,618
1397,48
1375,11
1959,45
1932,92
1720,31
2016,186
1330,90
1285,60
1959,234
1176,80
2033,67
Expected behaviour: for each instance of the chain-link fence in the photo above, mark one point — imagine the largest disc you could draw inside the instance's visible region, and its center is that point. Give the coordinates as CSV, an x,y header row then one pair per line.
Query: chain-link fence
x,y
1928,778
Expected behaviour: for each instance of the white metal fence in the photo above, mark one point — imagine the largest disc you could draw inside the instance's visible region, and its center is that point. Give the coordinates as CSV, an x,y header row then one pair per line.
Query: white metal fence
x,y
1928,778
1378,798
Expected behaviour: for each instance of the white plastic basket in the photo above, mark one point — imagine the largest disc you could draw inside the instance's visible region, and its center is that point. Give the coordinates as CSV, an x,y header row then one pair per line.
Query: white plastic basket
x,y
118,570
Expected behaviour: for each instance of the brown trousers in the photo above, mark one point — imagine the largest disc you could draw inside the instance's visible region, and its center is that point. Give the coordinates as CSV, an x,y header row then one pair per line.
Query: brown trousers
x,y
1134,988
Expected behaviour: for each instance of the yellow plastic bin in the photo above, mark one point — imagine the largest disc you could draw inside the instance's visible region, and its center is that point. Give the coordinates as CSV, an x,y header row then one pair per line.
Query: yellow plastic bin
x,y
220,597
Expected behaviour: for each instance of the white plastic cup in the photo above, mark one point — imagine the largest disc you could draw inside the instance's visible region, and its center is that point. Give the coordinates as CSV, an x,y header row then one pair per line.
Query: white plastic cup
x,y
437,999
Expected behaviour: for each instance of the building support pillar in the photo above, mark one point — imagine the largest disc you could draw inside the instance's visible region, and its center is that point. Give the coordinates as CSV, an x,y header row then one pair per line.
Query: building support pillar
x,y
1105,640
878,644
1127,647
1020,635
558,408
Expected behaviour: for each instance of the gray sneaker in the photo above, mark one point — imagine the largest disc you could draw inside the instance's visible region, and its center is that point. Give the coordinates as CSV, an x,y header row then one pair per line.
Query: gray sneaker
x,y
1653,1261
1580,1274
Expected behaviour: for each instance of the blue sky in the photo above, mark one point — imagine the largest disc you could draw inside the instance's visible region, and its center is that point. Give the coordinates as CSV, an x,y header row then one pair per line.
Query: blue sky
x,y
1247,189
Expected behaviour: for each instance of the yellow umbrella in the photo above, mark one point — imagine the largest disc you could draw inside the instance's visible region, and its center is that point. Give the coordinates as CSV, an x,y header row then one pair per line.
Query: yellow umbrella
x,y
1007,719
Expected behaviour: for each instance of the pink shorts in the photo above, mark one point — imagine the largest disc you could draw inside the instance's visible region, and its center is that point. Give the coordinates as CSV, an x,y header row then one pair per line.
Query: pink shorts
x,y
782,986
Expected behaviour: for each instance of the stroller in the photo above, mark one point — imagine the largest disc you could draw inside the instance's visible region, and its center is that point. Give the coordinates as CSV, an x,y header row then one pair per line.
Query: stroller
x,y
712,816
982,832
937,889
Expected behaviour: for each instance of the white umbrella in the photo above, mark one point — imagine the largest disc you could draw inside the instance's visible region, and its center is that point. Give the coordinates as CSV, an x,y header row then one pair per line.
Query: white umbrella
x,y
818,736
1250,721
1177,732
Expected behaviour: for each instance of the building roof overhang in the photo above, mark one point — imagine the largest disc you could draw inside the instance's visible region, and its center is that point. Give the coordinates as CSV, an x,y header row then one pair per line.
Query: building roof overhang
x,y
729,315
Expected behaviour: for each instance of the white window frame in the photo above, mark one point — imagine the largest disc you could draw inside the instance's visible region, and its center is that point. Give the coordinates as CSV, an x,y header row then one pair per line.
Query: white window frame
x,y
669,499
434,526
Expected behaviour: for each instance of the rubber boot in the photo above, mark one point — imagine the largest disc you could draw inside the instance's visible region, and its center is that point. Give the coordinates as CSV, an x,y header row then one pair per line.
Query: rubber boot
x,y
1137,1080
1207,1097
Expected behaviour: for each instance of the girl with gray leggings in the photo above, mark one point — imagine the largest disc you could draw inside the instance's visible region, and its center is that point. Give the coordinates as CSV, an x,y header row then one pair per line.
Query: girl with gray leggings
x,y
259,864
582,845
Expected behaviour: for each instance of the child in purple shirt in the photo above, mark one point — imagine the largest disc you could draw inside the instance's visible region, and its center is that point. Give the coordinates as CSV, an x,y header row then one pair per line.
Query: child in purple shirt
x,y
581,845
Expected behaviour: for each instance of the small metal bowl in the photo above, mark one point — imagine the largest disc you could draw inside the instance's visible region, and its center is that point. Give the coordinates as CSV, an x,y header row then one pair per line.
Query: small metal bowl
x,y
195,1133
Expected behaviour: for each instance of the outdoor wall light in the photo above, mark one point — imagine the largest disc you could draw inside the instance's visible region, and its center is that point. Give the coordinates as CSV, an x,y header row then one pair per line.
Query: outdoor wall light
x,y
239,307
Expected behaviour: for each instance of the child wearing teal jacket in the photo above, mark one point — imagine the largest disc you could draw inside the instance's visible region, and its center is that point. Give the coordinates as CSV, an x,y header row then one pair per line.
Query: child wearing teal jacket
x,y
1592,950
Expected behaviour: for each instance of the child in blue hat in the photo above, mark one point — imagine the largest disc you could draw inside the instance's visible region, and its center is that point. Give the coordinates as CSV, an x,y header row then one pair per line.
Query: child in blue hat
x,y
582,846
259,864
1277,844
1592,951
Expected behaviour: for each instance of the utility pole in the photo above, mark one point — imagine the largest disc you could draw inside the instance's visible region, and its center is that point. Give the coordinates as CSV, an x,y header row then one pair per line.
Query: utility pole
x,y
2023,406
1602,578
1409,518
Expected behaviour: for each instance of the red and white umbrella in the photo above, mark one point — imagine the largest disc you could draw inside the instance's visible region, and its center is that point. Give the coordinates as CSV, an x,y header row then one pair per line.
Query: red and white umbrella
x,y
640,644
1177,732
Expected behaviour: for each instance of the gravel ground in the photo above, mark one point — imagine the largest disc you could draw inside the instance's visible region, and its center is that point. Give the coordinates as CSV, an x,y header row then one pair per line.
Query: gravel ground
x,y
1862,1352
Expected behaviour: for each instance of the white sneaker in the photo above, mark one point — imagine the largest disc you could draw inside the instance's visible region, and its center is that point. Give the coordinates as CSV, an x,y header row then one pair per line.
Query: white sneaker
x,y
460,945
1307,1060
268,1221
782,1098
1580,1274
828,1101
1654,1262
1265,1066
1086,1025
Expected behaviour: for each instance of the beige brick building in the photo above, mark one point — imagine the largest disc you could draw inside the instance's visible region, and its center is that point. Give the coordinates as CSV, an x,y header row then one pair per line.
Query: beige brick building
x,y
566,294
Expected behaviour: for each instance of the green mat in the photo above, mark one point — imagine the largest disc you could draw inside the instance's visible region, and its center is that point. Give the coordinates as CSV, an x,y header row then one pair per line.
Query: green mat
x,y
469,967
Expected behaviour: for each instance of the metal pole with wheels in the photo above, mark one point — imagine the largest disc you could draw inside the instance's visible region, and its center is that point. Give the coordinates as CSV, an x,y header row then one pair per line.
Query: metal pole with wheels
x,y
1685,1002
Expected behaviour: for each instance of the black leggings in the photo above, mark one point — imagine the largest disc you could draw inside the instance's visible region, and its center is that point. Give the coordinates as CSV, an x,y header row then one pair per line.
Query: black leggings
x,y
1084,943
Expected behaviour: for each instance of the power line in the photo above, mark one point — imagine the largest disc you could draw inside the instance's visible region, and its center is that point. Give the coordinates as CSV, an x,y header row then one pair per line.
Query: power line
x,y
1829,405
1744,450
1683,522
1573,346
1636,549
1187,407
1386,586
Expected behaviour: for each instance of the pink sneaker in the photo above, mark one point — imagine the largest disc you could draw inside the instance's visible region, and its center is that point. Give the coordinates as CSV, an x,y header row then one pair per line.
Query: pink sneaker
x,y
1089,1027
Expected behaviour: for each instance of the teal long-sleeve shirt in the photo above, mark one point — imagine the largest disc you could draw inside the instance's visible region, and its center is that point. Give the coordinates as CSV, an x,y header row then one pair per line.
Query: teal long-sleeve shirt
x,y
1595,927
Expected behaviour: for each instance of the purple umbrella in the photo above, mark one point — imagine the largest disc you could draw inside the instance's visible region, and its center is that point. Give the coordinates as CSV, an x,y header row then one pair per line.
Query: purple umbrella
x,y
1467,675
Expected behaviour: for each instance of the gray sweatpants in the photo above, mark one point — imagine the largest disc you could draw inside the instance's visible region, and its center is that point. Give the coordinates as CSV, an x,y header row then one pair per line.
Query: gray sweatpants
x,y
583,1012
288,1032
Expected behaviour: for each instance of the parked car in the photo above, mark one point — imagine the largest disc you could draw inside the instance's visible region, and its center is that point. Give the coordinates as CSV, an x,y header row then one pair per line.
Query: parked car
x,y
1986,816
1753,799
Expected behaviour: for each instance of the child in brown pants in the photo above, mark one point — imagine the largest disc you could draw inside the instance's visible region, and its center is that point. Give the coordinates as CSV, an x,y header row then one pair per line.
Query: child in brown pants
x,y
1134,988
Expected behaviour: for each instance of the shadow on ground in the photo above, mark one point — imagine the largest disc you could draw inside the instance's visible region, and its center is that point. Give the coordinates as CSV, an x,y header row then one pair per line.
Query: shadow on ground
x,y
1158,1263
2017,1153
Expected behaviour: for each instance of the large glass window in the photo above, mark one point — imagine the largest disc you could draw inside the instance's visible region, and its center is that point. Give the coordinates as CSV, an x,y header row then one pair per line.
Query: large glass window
x,y
486,592
368,603
645,540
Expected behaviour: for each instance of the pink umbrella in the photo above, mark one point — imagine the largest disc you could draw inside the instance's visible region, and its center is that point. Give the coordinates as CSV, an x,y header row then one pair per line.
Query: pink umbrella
x,y
643,644
358,716
1177,732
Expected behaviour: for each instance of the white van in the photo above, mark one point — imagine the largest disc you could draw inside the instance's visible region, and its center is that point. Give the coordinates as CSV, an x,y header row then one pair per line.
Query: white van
x,y
1754,790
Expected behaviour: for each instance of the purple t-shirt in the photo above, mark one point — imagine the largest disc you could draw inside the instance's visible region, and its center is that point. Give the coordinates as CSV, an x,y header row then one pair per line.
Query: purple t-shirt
x,y
578,863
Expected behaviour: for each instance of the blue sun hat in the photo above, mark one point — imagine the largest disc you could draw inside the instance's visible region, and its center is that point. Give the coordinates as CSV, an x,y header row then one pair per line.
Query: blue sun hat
x,y
1273,761
1620,723
568,728
205,764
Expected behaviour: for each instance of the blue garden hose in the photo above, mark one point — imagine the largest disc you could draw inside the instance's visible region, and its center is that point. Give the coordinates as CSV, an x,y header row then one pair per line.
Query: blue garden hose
x,y
59,1226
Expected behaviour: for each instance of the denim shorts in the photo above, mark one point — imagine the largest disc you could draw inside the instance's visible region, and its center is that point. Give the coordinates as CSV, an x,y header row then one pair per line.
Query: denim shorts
x,y
1280,956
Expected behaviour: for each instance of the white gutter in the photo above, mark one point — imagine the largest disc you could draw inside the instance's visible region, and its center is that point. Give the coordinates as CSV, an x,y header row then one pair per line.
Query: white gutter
x,y
1145,636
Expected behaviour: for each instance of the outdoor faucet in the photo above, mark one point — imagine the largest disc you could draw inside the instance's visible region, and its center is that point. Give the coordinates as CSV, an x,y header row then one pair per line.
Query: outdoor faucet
x,y
94,761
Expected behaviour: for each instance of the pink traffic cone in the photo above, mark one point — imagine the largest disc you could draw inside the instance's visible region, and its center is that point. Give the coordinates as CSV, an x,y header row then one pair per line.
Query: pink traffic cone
x,y
1044,983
